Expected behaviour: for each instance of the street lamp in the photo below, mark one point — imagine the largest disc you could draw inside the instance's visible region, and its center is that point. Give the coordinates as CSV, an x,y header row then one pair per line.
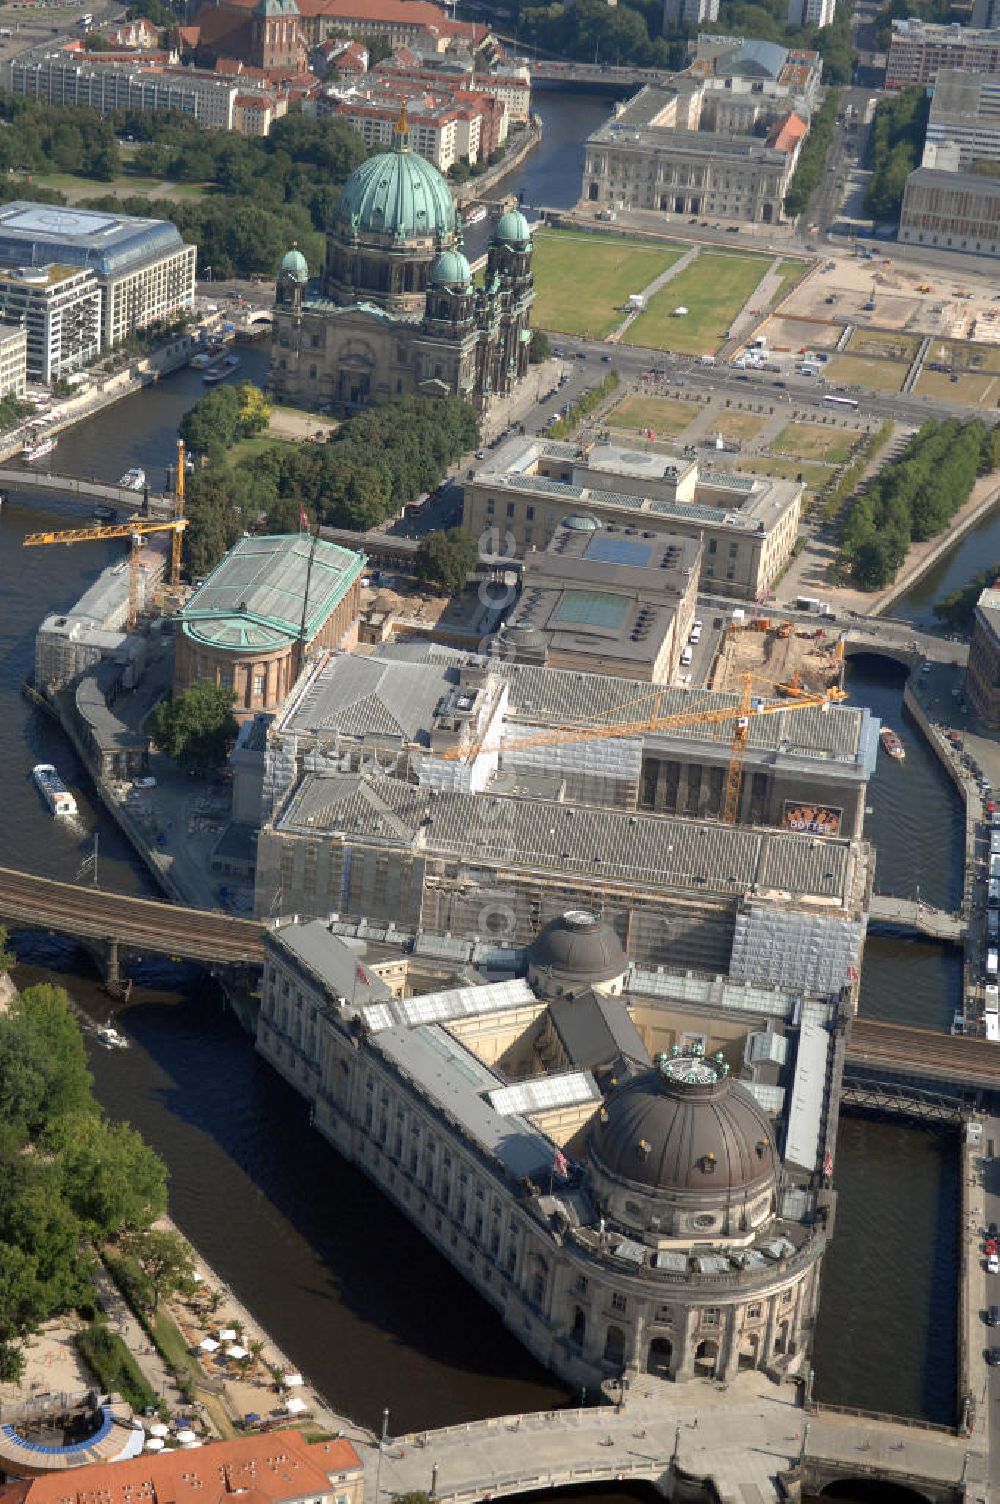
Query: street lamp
x,y
208,274
381,1449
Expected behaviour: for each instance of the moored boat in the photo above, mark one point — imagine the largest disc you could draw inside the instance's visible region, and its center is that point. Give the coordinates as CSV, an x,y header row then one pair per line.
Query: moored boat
x,y
891,743
111,1039
52,789
36,449
134,478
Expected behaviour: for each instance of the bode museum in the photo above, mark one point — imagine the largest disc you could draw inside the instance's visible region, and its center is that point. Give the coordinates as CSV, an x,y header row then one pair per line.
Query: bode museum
x,y
395,312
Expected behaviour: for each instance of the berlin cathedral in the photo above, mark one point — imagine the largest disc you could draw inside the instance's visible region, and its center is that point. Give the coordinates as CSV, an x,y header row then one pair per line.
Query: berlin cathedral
x,y
396,312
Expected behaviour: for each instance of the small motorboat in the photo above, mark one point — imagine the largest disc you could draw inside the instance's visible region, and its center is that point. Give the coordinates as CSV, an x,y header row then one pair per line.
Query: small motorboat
x,y
111,1039
891,743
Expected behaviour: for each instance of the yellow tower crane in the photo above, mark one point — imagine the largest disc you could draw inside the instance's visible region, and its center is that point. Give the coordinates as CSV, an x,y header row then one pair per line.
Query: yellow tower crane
x,y
741,715
135,530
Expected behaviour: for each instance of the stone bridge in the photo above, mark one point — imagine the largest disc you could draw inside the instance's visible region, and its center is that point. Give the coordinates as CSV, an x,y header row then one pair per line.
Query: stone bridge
x,y
910,914
735,1439
902,643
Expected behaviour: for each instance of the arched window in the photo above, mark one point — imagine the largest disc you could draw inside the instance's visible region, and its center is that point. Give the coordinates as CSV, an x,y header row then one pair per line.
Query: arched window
x,y
578,1331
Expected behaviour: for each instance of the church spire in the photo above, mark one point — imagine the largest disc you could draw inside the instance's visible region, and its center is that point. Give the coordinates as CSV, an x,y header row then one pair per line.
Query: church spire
x,y
401,131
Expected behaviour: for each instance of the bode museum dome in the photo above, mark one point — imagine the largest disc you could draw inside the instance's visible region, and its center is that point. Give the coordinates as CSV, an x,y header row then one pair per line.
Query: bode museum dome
x,y
394,312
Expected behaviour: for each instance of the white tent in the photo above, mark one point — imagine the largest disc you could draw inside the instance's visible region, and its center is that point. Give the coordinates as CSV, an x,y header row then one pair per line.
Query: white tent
x,y
158,1429
680,312
208,1345
186,1436
228,1334
155,1444
189,1446
294,1406
236,1351
293,1381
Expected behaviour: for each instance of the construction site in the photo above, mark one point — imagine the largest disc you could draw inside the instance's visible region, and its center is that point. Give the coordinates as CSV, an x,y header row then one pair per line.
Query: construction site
x,y
781,656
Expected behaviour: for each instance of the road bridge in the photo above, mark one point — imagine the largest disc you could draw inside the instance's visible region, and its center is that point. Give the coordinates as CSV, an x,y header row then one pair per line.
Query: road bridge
x,y
139,924
741,1438
89,491
910,914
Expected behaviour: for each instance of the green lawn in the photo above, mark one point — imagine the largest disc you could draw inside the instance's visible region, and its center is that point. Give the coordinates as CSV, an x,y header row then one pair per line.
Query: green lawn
x,y
868,370
734,425
789,272
125,185
247,449
663,415
713,289
815,441
973,389
812,474
583,282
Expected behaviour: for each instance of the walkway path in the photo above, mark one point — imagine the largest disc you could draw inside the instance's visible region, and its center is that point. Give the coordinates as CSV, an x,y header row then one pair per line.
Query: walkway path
x,y
750,314
151,1365
651,290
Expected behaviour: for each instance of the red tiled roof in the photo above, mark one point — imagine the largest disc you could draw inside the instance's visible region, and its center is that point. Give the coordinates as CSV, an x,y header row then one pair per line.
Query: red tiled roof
x,y
787,133
263,1469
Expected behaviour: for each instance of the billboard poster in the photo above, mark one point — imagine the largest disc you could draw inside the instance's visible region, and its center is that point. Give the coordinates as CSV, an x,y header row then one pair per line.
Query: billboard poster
x,y
812,819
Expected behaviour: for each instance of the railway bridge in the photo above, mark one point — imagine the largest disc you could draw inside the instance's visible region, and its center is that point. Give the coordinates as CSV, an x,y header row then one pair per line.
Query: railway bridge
x,y
114,922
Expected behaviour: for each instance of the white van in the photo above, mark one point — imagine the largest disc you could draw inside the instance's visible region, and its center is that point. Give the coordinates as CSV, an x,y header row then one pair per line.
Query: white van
x,y
687,657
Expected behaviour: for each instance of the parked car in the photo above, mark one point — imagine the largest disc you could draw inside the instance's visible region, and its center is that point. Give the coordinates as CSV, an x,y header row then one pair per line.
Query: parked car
x,y
993,1264
993,1357
993,1316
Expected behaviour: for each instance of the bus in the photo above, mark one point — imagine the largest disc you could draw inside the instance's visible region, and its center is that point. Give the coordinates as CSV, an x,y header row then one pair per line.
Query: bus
x,y
992,995
841,401
992,962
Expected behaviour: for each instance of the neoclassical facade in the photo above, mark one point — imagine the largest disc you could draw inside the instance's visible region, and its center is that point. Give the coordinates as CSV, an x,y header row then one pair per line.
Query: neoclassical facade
x,y
626,1216
396,313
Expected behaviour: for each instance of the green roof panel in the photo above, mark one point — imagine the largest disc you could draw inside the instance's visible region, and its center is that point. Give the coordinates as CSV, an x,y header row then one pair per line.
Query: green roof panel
x,y
592,608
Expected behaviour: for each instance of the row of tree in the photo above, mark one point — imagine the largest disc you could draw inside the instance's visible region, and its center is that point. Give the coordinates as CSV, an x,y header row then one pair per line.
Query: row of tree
x,y
894,148
368,470
812,158
914,498
67,1174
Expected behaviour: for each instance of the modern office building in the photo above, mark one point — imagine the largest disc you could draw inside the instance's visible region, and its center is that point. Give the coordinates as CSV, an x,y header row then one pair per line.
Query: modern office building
x,y
631,1167
679,150
918,49
964,114
982,682
396,312
270,602
141,269
953,210
747,524
13,360
59,309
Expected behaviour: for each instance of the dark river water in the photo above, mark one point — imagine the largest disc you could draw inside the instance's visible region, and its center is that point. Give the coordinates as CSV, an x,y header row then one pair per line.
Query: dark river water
x,y
344,1284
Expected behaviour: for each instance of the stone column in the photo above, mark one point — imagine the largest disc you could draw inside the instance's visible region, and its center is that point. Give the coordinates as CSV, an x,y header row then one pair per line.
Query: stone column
x,y
685,1346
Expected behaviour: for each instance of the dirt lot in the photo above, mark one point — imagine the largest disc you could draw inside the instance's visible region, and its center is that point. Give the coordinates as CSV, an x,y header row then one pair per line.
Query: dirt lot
x,y
954,306
774,660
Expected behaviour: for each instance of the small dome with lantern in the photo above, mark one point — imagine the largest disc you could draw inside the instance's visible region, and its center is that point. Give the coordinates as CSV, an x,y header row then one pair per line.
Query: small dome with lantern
x,y
294,265
451,269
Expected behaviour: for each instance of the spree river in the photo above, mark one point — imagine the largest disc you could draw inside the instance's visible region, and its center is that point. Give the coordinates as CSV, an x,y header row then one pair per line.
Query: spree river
x,y
344,1284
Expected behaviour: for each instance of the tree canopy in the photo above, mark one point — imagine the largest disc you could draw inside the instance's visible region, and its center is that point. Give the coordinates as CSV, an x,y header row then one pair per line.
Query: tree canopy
x,y
366,472
914,498
445,559
197,727
65,1172
958,608
894,148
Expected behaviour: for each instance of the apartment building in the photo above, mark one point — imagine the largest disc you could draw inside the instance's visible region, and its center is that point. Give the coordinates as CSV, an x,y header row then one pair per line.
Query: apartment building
x,y
688,12
59,311
918,49
811,12
13,360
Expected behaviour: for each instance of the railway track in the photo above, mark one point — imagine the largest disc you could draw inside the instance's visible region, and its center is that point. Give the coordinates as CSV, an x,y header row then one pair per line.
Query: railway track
x,y
940,1057
140,924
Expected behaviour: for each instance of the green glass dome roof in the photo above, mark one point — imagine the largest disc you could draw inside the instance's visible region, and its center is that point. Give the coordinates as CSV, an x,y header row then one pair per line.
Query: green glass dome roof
x,y
397,193
451,268
294,264
513,227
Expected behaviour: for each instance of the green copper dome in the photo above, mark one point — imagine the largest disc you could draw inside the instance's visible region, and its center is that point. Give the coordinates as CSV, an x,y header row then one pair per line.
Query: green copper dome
x,y
513,227
397,193
293,264
450,269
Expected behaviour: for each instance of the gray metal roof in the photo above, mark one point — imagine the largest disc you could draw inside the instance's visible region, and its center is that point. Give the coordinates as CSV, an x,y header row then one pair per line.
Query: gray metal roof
x,y
660,851
805,1114
356,696
451,1076
595,1031
336,962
